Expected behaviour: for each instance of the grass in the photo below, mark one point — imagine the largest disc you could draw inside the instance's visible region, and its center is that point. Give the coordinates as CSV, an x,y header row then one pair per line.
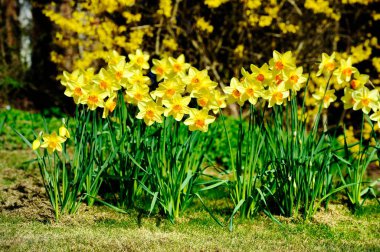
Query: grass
x,y
26,223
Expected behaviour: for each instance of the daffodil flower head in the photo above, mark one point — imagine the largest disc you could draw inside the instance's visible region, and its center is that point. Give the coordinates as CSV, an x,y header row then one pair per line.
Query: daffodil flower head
x,y
252,91
262,74
358,81
139,59
347,98
345,71
276,95
177,106
197,80
113,58
109,105
366,100
294,79
327,64
151,112
168,88
325,97
376,117
37,142
199,120
235,92
178,66
138,94
160,68
280,62
53,142
63,131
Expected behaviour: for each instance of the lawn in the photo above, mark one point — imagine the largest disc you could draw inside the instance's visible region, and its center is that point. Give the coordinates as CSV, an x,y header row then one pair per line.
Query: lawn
x,y
27,223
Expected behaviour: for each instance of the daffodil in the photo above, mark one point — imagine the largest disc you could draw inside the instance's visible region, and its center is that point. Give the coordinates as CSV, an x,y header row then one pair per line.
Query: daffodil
x,y
138,94
139,59
137,78
326,98
113,58
120,72
78,89
235,92
294,79
178,66
327,64
376,117
197,80
344,72
262,74
276,94
177,107
160,68
63,131
150,111
366,100
95,98
37,142
53,142
168,88
220,101
252,91
199,120
359,80
106,82
280,62
109,105
347,99
206,100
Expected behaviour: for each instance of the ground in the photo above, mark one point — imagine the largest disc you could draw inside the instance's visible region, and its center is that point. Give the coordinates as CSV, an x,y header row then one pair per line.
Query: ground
x,y
27,224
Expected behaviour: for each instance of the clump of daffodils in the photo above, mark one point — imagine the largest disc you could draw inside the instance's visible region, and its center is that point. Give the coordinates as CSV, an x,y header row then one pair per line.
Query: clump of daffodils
x,y
273,82
182,91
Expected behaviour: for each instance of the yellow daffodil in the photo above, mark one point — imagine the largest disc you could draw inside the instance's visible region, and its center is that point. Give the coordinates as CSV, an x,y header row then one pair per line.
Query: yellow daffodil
x,y
344,72
109,105
120,72
139,59
294,79
106,82
347,99
366,100
199,120
359,80
282,61
327,64
137,78
113,58
177,106
78,90
206,100
53,142
95,98
276,94
376,117
138,94
197,80
178,66
64,132
168,88
37,143
327,98
235,92
150,111
70,78
220,101
262,74
160,68
252,91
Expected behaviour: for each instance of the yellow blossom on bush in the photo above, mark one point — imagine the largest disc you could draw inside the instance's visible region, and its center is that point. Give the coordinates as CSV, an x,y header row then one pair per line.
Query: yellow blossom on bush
x,y
203,25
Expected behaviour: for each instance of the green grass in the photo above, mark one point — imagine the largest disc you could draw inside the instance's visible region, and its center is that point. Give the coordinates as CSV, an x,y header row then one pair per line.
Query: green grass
x,y
99,229
30,226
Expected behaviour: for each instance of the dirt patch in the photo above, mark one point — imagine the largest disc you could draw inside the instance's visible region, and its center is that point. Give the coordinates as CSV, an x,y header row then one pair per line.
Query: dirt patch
x,y
22,194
